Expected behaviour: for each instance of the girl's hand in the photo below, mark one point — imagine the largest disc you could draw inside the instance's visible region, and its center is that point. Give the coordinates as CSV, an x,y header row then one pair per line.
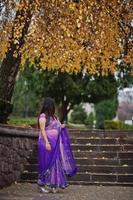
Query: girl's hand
x,y
62,125
48,147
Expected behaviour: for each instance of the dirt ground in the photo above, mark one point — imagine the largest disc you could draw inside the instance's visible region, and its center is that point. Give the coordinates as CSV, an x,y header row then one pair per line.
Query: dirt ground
x,y
28,191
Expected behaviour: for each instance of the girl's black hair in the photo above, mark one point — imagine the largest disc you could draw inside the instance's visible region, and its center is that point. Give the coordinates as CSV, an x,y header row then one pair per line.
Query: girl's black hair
x,y
48,109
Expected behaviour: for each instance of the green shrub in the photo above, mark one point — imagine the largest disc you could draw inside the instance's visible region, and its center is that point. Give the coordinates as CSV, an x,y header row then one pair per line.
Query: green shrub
x,y
109,124
105,110
78,115
89,121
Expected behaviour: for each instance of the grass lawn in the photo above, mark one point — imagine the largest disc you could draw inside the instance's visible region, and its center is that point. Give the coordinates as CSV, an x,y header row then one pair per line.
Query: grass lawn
x,y
76,126
31,121
28,121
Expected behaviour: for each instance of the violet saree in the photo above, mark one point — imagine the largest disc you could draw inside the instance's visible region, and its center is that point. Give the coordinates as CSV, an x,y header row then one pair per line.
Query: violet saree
x,y
56,165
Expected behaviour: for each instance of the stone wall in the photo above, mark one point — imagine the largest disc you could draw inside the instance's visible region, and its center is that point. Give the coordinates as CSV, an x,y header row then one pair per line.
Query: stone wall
x,y
16,145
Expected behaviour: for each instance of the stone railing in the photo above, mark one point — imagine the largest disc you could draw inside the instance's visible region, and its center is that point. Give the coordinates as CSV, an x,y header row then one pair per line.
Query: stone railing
x,y
16,144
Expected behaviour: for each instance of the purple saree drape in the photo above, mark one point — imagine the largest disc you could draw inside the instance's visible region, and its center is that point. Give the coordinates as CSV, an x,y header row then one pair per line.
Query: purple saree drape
x,y
55,165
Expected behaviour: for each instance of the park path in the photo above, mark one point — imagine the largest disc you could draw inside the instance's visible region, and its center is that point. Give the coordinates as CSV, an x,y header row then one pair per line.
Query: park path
x,y
28,191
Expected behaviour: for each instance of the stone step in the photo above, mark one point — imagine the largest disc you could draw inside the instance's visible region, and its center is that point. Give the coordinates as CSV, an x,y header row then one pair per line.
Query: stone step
x,y
105,169
92,168
96,154
95,161
128,184
109,161
104,147
104,155
99,147
101,133
99,183
100,141
101,177
90,177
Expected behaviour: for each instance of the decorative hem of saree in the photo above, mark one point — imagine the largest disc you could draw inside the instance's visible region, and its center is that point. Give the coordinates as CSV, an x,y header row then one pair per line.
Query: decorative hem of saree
x,y
63,186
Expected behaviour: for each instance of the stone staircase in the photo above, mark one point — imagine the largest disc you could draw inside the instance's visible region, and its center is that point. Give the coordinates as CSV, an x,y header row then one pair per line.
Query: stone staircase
x,y
102,157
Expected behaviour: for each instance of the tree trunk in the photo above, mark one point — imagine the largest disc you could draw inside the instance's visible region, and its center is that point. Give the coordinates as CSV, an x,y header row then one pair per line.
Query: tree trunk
x,y
10,64
63,110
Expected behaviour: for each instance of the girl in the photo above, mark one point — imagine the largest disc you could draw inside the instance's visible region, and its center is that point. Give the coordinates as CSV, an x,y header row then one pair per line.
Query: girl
x,y
55,158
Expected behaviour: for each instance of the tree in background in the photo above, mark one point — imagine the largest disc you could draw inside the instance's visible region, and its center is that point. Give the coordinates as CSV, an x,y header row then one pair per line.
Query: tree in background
x,y
15,21
67,90
63,34
105,110
28,92
124,75
78,115
101,88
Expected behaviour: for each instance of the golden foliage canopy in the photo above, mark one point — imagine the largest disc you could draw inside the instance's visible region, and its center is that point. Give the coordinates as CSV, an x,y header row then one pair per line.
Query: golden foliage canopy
x,y
69,35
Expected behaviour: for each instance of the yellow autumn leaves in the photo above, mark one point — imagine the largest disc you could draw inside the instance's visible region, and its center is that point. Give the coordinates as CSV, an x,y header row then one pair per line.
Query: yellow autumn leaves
x,y
68,35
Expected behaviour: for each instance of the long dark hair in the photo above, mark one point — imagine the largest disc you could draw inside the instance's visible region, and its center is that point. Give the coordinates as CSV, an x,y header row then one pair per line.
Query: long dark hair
x,y
48,109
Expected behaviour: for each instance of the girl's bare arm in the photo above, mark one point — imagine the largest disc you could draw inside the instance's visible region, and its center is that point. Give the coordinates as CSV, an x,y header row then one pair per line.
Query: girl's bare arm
x,y
42,122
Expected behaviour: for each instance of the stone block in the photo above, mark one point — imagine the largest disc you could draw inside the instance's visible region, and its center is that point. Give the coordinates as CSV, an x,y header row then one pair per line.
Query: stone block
x,y
104,178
